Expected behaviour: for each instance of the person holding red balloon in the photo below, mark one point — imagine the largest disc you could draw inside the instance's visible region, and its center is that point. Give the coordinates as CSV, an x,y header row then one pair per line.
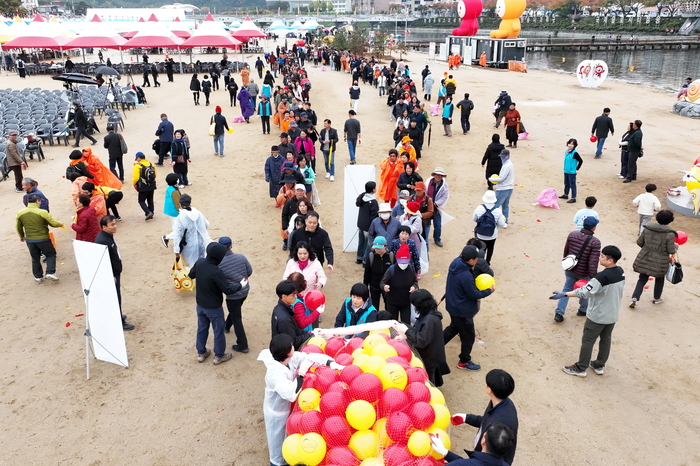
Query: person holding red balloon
x,y
304,315
658,243
283,382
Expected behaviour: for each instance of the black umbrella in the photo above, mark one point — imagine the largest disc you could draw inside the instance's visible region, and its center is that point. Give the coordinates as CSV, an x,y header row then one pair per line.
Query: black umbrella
x,y
75,78
107,71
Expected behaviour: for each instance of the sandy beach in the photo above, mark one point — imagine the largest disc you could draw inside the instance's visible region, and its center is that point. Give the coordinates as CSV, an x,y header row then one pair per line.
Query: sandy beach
x,y
166,409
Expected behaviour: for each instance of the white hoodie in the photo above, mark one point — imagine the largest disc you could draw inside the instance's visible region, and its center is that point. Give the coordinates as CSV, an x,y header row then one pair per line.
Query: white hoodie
x,y
193,226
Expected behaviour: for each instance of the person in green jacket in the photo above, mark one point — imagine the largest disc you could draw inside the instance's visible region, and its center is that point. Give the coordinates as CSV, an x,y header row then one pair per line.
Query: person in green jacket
x,y
32,225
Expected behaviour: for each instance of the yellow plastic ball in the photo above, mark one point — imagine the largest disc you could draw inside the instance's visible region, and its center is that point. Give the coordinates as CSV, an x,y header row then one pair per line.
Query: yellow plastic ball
x,y
364,444
290,449
373,364
436,395
492,177
442,435
361,414
419,443
373,340
318,341
416,362
360,359
383,437
484,281
308,399
358,352
393,375
442,416
311,449
372,462
385,351
385,331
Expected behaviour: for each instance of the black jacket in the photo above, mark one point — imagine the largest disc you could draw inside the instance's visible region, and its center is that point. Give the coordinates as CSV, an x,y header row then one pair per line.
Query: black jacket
x,y
220,122
491,158
289,209
332,137
466,106
476,458
400,282
503,102
108,240
195,85
634,143
212,284
318,240
506,414
369,210
232,87
375,267
602,125
79,117
283,323
287,147
426,337
113,145
406,179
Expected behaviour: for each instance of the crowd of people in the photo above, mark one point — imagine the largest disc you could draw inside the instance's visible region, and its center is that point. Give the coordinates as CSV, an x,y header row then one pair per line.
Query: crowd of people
x,y
395,219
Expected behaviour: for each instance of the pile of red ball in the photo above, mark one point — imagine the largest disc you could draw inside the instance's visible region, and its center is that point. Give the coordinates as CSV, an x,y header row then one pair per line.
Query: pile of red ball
x,y
378,411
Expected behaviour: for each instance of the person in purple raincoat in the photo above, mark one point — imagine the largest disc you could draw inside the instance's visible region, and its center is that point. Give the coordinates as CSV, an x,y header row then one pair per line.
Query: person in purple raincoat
x,y
246,106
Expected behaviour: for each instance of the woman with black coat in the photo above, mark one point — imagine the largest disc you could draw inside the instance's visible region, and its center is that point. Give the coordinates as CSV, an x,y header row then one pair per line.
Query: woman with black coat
x,y
492,159
196,88
408,179
179,158
426,336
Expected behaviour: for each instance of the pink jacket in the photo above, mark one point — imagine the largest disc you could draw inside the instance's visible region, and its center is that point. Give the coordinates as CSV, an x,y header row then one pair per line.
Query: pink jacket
x,y
313,273
309,146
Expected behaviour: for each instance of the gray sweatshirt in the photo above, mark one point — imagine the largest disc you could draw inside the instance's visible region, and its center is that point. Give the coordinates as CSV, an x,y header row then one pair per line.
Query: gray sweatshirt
x,y
604,292
506,177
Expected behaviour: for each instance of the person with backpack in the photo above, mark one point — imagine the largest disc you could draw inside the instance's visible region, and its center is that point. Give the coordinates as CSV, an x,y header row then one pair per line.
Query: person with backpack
x,y
488,219
144,181
450,87
398,282
195,87
206,88
357,309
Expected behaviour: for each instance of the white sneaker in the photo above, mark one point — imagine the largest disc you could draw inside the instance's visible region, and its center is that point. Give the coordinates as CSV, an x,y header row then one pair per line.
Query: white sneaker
x,y
620,176
332,178
328,175
52,276
39,280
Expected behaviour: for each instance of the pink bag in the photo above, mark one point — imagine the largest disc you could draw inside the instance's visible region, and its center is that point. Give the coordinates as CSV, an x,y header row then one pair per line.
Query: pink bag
x,y
434,110
523,135
548,198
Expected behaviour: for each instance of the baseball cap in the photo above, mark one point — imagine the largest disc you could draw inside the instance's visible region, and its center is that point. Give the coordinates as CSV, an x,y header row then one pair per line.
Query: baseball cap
x,y
590,222
300,186
140,155
303,115
352,112
379,242
225,240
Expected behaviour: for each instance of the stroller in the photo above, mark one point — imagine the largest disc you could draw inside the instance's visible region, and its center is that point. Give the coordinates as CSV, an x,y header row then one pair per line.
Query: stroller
x,y
141,95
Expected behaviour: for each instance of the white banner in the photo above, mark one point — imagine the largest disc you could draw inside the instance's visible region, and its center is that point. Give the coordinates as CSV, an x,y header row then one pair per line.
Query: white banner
x,y
355,178
431,51
101,305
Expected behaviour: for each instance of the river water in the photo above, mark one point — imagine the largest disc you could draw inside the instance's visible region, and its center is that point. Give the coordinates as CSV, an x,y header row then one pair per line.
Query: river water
x,y
665,69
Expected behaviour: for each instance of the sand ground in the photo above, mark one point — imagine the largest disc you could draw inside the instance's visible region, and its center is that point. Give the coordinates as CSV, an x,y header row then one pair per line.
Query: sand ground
x,y
168,410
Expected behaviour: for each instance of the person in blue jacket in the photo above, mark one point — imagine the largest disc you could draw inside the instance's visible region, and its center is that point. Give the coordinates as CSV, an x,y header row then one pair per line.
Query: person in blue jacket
x,y
264,112
462,303
357,309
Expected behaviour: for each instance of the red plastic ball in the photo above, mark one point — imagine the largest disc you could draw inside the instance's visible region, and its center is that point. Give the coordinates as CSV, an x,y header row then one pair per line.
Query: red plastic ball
x,y
416,374
355,343
336,431
344,359
349,374
417,391
422,415
682,238
311,421
399,360
313,299
402,348
392,400
398,427
309,381
366,387
333,345
325,377
342,455
398,455
427,461
334,404
293,423
340,387
308,349
580,284
594,139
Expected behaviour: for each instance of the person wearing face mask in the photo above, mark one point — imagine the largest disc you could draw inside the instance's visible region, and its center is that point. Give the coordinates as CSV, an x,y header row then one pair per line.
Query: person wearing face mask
x,y
400,207
384,225
357,309
398,283
404,237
